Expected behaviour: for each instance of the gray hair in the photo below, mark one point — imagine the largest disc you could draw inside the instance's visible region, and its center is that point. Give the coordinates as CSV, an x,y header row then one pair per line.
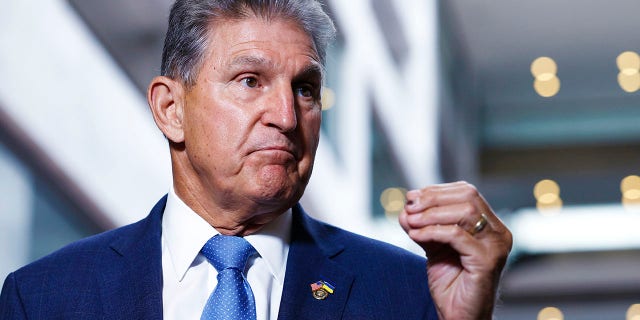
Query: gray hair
x,y
191,20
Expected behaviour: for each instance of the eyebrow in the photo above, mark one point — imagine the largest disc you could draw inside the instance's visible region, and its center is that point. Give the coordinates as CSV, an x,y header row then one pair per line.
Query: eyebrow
x,y
312,70
249,60
309,71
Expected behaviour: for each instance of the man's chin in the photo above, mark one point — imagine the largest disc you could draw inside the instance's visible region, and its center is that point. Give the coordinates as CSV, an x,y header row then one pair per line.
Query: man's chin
x,y
277,185
277,195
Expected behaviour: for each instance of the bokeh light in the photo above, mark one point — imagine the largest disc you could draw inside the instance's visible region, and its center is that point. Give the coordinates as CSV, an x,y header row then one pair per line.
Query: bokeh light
x,y
631,182
633,313
542,66
328,98
393,200
550,313
628,60
551,208
546,187
629,76
630,189
547,194
546,83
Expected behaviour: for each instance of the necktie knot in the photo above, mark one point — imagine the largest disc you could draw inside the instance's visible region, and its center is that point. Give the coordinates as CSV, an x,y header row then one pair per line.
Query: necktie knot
x,y
228,252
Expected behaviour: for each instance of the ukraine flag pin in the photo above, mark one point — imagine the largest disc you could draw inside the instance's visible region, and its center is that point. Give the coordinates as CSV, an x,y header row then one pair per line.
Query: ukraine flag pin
x,y
321,289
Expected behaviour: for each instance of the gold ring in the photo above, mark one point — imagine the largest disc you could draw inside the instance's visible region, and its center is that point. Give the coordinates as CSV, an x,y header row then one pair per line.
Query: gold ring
x,y
482,222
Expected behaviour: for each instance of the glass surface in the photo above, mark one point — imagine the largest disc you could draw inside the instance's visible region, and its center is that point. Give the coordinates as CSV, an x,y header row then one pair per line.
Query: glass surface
x,y
36,217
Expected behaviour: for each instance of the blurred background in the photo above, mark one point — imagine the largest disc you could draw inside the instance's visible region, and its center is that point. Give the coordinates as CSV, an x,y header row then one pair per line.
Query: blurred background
x,y
534,102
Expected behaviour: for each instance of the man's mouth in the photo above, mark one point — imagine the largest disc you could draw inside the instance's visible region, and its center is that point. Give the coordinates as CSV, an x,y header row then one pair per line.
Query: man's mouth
x,y
278,151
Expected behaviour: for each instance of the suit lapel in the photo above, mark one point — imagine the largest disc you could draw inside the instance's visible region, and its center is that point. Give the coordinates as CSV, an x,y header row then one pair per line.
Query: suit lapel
x,y
311,259
133,283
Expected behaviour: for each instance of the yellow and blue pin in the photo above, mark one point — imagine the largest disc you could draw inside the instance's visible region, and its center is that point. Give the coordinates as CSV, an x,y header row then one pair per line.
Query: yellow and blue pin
x,y
321,289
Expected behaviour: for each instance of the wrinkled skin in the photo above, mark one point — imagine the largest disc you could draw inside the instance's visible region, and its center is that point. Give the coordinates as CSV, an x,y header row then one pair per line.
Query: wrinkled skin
x,y
243,138
463,268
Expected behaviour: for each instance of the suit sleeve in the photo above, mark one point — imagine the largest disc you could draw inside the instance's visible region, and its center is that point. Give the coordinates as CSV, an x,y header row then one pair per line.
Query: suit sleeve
x,y
11,306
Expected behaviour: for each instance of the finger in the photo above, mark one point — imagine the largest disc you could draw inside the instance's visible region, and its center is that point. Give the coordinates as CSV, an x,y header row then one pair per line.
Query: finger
x,y
404,223
454,236
440,195
463,214
413,195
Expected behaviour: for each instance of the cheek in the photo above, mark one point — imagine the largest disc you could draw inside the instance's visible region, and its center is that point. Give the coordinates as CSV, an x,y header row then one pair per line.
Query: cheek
x,y
311,128
213,112
208,134
221,128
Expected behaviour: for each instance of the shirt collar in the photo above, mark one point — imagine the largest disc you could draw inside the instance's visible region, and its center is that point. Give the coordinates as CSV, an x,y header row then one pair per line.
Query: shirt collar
x,y
185,233
272,243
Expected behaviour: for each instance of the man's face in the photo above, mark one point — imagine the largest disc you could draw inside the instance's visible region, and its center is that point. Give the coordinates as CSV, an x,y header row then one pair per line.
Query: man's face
x,y
251,122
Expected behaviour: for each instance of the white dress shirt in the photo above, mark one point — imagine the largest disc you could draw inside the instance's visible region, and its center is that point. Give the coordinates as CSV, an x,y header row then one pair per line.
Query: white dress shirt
x,y
189,278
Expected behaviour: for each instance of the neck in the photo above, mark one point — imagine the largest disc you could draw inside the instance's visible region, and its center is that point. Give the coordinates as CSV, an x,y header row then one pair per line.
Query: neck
x,y
239,220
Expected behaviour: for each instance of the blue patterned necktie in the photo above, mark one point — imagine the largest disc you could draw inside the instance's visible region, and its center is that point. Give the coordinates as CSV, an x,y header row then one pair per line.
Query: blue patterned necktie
x,y
232,299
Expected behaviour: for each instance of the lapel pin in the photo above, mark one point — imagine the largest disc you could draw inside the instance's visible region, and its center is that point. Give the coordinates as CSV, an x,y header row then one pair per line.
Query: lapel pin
x,y
321,289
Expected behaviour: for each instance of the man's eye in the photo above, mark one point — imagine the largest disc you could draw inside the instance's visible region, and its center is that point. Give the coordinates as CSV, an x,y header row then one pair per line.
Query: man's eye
x,y
304,92
250,82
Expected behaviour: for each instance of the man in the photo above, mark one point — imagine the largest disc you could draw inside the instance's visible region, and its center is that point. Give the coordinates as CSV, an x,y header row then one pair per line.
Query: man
x,y
239,102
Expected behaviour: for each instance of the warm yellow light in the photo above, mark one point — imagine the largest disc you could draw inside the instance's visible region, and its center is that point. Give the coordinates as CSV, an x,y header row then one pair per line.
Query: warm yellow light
x,y
629,80
546,82
628,60
550,313
542,66
629,77
548,198
393,200
544,187
547,88
630,183
633,313
328,98
633,194
630,189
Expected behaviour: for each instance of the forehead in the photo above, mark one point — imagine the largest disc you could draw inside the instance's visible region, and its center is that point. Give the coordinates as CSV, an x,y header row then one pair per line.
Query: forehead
x,y
279,38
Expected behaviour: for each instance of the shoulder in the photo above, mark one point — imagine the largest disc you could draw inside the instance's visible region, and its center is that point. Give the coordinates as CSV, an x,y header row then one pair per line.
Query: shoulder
x,y
81,277
94,258
386,277
376,255
92,252
355,245
76,269
85,254
367,257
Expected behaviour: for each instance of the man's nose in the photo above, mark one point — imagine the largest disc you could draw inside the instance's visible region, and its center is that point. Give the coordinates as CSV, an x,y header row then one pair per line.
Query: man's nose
x,y
281,109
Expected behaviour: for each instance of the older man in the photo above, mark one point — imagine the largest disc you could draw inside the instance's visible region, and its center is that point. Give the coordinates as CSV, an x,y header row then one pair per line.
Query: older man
x,y
239,102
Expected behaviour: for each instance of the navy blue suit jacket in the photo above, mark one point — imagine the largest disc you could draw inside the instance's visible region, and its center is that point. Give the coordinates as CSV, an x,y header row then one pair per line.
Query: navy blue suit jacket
x,y
118,275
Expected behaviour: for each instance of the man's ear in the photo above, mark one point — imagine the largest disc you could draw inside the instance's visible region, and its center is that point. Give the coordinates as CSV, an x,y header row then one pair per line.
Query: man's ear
x,y
165,97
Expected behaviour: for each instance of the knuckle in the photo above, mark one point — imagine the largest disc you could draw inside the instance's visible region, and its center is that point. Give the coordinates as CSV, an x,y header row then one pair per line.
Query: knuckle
x,y
509,240
414,234
429,189
457,231
470,191
468,209
428,197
